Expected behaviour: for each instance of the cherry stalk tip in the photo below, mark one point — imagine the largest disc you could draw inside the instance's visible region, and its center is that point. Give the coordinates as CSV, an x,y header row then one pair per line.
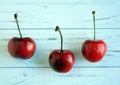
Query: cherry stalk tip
x,y
57,28
93,12
15,15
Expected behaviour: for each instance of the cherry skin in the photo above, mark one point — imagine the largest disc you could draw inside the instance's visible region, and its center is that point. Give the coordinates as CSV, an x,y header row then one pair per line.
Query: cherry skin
x,y
61,60
21,47
94,51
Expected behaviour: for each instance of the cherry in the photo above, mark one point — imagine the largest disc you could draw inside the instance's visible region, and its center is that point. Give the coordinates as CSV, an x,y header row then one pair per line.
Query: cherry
x,y
94,50
21,47
61,60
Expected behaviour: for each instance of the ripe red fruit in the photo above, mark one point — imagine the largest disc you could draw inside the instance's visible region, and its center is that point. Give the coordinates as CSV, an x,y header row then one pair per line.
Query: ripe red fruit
x,y
61,60
94,50
21,47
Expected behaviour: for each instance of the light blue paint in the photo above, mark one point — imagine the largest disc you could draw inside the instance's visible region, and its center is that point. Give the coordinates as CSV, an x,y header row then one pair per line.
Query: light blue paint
x,y
38,18
66,13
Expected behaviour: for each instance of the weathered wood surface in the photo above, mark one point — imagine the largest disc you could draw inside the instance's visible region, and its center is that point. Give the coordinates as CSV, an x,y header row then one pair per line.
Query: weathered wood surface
x,y
37,70
66,13
38,19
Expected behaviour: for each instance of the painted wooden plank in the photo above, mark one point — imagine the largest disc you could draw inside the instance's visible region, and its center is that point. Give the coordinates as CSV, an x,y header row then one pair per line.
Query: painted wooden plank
x,y
68,13
46,76
38,19
48,40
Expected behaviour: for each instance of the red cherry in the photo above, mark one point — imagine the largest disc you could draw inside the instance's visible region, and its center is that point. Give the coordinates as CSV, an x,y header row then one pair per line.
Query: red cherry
x,y
61,60
21,47
94,50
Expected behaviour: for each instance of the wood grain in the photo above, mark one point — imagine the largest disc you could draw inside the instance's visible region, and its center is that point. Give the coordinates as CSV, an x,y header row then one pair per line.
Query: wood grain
x,y
36,70
48,40
67,14
38,19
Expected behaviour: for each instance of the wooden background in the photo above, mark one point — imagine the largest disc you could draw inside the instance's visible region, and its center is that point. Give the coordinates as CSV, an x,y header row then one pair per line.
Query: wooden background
x,y
38,18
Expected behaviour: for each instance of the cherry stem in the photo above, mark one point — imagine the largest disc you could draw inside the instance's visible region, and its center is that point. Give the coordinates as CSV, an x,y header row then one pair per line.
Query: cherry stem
x,y
58,29
93,12
16,19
